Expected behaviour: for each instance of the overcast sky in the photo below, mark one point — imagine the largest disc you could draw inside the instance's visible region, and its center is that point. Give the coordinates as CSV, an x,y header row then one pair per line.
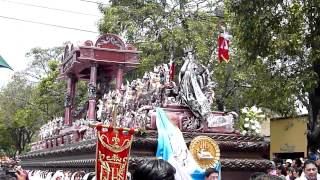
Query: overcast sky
x,y
18,37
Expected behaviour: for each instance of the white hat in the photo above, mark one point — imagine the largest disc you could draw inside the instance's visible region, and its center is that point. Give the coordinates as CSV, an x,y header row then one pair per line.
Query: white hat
x,y
289,161
58,173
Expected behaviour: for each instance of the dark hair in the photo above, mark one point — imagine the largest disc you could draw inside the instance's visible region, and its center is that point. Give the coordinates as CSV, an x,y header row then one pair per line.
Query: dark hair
x,y
299,170
309,162
267,177
156,169
210,171
283,170
291,169
298,162
254,175
91,176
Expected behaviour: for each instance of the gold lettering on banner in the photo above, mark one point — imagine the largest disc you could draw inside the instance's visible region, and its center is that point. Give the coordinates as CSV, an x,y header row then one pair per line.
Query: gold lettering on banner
x,y
116,171
114,159
122,167
104,167
113,167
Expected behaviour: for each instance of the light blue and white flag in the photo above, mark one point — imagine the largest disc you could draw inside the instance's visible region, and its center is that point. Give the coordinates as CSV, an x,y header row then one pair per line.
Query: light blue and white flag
x,y
173,148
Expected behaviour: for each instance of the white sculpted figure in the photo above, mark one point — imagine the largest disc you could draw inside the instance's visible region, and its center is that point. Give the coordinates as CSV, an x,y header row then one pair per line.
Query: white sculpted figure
x,y
194,79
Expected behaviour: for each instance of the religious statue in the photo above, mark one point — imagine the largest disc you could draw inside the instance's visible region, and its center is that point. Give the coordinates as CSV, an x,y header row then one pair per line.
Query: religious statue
x,y
196,91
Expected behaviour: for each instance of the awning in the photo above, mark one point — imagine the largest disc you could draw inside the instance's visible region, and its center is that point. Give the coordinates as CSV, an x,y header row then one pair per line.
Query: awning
x,y
4,64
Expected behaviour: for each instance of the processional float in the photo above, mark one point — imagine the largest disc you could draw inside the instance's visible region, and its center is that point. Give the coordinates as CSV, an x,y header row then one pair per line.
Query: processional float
x,y
71,145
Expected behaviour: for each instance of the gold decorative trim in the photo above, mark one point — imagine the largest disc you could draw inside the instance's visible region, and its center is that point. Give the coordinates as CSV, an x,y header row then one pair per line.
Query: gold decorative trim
x,y
205,151
115,147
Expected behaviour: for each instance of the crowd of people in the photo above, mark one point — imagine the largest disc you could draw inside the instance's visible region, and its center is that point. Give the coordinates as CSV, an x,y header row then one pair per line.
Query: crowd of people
x,y
158,169
296,169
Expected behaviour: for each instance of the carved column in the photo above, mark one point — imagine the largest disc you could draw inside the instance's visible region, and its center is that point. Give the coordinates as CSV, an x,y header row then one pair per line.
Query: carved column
x,y
92,92
119,77
69,98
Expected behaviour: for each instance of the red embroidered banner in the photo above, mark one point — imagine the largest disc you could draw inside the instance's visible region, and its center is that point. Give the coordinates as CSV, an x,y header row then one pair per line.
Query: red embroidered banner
x,y
171,71
113,150
223,49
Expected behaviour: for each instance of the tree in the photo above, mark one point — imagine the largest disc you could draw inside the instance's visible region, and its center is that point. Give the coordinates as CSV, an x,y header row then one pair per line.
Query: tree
x,y
32,98
282,36
50,93
19,119
162,29
39,58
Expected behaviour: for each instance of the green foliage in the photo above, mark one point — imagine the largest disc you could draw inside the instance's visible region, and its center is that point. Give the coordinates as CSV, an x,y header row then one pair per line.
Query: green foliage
x,y
50,93
25,105
160,29
19,118
282,36
39,66
32,98
271,38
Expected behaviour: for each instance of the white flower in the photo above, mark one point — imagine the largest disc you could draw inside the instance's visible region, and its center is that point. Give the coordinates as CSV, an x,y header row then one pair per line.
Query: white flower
x,y
244,110
246,119
252,121
258,131
259,110
253,127
246,125
254,109
244,132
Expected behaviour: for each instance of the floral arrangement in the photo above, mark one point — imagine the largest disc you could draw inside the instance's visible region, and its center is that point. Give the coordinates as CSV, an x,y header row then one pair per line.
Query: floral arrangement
x,y
249,121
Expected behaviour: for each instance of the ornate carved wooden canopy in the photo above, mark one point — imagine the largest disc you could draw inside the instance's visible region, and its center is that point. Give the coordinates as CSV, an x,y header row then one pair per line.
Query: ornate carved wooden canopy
x,y
109,52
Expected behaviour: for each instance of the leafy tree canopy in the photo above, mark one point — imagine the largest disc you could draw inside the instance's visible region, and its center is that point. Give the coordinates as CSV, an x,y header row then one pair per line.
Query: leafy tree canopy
x,y
282,36
161,29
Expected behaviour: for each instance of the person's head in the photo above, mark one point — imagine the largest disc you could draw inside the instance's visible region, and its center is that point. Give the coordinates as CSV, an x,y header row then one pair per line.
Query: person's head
x,y
290,171
298,162
288,162
281,170
299,170
211,174
310,170
267,177
296,172
156,169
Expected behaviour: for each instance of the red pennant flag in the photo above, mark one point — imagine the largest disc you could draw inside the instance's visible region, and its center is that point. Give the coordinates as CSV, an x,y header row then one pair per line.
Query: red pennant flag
x,y
223,48
171,70
113,149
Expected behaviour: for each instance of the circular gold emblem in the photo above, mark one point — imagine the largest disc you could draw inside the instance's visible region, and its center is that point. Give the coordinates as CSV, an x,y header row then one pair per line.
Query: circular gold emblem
x,y
205,151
